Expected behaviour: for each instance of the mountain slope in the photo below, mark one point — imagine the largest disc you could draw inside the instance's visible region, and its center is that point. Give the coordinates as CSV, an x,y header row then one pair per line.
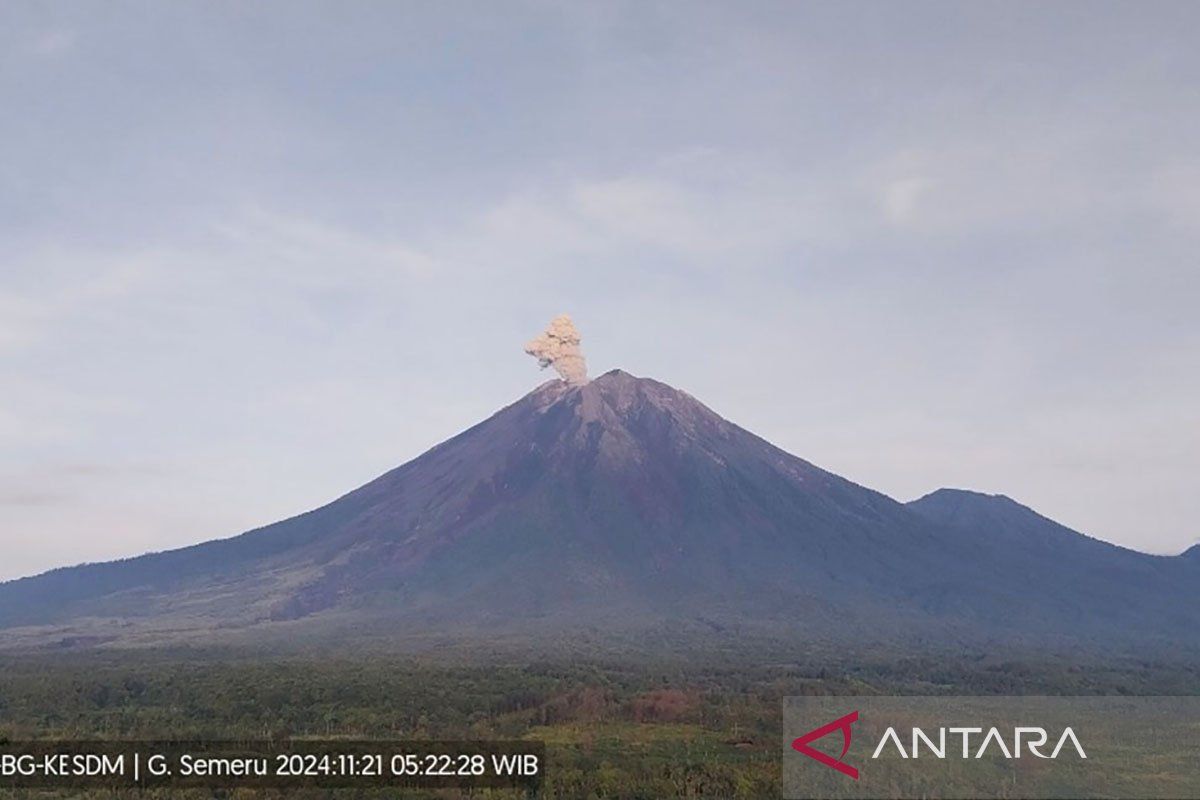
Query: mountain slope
x,y
1105,584
1006,519
627,504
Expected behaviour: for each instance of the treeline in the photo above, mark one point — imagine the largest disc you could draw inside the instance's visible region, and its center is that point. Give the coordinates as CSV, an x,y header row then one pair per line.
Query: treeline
x,y
684,727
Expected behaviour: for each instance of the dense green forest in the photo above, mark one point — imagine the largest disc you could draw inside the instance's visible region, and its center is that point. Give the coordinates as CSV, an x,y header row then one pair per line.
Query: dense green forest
x,y
704,725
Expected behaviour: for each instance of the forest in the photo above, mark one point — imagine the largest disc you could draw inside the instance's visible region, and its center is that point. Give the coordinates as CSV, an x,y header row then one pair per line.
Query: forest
x,y
700,724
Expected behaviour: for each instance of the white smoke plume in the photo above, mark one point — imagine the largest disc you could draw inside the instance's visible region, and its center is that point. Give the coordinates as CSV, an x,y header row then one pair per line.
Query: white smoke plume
x,y
558,347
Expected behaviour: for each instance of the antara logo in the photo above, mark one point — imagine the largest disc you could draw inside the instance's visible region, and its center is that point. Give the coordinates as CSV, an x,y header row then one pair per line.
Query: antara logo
x,y
843,724
1036,738
1033,739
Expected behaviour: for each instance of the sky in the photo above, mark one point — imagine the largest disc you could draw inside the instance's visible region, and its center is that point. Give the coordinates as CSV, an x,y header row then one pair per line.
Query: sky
x,y
253,255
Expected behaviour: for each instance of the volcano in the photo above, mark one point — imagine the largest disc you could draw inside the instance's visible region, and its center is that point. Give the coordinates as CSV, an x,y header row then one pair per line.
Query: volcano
x,y
627,505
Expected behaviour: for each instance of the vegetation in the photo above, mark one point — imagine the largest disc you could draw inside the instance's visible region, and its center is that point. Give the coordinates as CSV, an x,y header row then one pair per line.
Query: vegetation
x,y
705,726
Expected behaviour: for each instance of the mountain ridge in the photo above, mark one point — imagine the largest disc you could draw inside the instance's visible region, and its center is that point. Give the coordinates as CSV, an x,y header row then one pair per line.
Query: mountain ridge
x,y
624,503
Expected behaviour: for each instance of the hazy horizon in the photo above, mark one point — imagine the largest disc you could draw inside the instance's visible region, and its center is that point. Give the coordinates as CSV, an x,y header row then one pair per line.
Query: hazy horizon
x,y
256,256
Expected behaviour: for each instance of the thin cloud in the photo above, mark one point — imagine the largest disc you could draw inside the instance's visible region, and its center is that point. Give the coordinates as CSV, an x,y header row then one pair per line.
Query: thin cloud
x,y
52,44
33,498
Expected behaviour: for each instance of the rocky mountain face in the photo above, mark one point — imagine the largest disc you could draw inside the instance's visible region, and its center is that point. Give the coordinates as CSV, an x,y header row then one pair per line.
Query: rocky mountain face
x,y
625,504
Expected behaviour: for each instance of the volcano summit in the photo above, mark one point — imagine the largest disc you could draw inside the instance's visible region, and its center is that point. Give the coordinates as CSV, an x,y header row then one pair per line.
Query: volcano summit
x,y
626,505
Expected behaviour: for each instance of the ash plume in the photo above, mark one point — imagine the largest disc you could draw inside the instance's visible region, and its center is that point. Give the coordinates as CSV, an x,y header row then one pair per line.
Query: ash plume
x,y
558,347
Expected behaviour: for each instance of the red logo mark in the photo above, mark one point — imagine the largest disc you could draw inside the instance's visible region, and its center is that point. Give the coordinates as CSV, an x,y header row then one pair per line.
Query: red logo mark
x,y
801,745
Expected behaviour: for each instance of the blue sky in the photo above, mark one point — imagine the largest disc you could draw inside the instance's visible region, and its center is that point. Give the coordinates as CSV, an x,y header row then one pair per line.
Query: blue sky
x,y
254,254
